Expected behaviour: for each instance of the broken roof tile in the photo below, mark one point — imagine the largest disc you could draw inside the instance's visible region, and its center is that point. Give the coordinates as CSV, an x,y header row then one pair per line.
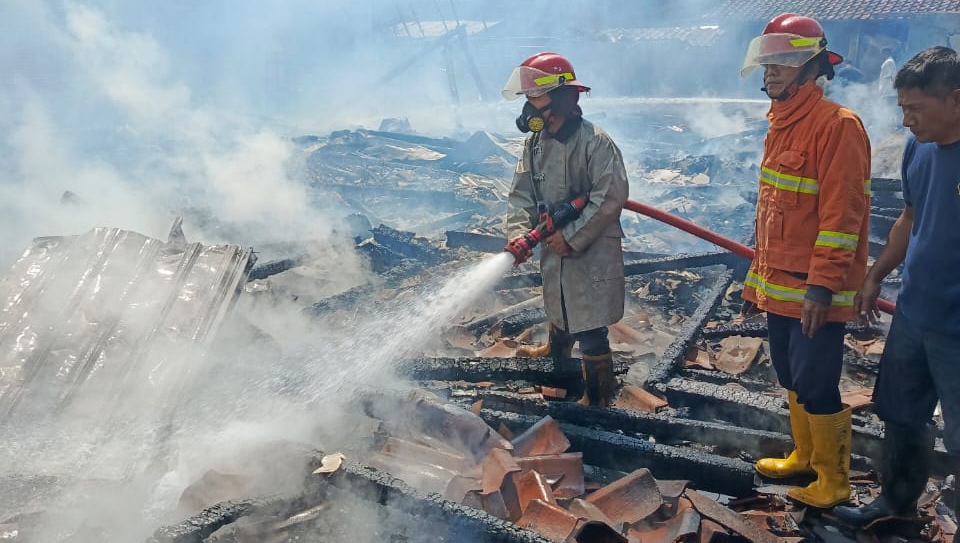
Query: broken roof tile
x,y
729,518
637,399
544,437
682,527
737,353
533,486
630,498
548,520
566,468
597,532
496,465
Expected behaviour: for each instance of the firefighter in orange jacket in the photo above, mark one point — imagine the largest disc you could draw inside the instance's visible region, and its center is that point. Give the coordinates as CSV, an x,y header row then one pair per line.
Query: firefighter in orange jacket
x,y
811,256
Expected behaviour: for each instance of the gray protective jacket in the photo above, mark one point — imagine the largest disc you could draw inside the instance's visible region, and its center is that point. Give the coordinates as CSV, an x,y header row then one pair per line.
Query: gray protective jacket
x,y
589,283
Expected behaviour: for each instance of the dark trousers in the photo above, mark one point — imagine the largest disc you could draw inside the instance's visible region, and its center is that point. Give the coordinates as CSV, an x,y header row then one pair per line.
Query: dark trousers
x,y
808,366
593,342
917,368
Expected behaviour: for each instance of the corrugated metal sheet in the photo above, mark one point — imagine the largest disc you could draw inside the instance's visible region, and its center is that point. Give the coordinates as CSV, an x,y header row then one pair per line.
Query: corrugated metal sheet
x,y
764,10
108,315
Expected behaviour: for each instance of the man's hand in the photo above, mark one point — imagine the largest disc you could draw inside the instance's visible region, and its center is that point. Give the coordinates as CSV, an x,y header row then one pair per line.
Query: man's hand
x,y
814,315
865,302
557,244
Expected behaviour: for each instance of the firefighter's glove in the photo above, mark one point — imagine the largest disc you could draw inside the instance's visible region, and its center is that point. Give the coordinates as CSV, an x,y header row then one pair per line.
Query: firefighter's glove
x,y
520,249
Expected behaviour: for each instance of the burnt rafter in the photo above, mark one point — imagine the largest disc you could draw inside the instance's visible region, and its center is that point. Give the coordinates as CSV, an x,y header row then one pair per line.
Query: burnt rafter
x,y
625,453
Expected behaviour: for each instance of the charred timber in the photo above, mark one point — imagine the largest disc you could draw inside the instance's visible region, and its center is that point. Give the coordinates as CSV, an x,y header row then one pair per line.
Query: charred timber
x,y
673,357
885,184
624,453
382,488
565,374
273,267
729,439
639,267
406,244
753,329
198,527
750,409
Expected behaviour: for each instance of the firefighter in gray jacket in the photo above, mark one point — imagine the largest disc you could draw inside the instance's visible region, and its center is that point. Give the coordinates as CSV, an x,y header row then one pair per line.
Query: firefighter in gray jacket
x,y
565,157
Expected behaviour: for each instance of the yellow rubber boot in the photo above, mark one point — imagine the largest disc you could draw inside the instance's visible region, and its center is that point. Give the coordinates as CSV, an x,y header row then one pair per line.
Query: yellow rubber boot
x,y
830,459
798,463
599,379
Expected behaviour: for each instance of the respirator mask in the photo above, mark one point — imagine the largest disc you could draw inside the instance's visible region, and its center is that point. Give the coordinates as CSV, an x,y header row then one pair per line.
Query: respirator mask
x,y
531,119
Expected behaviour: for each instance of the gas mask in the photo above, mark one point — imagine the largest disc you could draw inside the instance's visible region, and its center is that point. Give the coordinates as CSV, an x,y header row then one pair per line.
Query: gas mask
x,y
531,119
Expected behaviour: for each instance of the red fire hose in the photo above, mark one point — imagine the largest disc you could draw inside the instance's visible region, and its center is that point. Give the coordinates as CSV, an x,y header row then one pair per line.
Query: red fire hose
x,y
713,237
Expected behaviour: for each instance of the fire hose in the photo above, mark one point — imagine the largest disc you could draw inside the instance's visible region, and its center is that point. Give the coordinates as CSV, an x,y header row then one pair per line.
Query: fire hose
x,y
708,235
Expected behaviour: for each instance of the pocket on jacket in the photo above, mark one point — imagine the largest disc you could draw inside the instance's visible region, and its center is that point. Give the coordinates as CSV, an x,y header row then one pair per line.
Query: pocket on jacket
x,y
783,173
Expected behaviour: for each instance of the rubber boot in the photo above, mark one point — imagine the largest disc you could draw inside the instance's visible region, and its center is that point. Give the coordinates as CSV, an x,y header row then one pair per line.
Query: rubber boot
x,y
904,465
600,381
831,436
559,345
798,463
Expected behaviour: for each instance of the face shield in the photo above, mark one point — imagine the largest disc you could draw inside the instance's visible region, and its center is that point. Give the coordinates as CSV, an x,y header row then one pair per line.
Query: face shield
x,y
527,81
781,49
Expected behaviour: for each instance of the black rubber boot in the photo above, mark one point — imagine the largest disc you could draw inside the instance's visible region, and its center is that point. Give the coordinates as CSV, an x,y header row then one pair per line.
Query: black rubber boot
x,y
904,465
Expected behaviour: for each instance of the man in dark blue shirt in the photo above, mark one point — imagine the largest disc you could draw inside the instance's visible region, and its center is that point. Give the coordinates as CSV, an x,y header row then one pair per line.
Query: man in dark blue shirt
x,y
921,362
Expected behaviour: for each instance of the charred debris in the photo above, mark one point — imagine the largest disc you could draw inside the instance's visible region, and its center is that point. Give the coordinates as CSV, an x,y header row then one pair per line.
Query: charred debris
x,y
478,444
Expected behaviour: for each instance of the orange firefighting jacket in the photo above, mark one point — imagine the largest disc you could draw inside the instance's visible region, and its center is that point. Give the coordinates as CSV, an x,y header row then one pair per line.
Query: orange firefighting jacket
x,y
813,206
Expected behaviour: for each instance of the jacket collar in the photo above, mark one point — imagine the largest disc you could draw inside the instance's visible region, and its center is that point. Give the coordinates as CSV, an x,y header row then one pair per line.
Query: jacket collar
x,y
791,110
568,129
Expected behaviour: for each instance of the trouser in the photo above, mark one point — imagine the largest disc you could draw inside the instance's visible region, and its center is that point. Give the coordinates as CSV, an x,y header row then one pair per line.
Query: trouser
x,y
808,366
593,342
919,367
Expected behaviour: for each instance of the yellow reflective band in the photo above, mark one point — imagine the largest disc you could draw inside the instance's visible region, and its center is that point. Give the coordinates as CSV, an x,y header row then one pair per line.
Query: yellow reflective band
x,y
548,79
839,240
787,182
867,187
805,42
844,298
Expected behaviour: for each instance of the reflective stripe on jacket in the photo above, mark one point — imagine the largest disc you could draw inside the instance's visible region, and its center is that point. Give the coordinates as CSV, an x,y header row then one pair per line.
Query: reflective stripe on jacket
x,y
813,206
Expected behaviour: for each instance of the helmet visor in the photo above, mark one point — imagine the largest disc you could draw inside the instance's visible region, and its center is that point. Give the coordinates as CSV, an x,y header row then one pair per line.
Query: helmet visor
x,y
781,49
527,81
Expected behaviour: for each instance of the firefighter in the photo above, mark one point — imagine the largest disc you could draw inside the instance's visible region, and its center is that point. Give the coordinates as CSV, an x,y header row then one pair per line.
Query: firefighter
x,y
566,156
919,362
811,255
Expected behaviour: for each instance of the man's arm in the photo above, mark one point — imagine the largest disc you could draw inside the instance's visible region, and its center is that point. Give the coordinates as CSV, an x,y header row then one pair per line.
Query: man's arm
x,y
892,255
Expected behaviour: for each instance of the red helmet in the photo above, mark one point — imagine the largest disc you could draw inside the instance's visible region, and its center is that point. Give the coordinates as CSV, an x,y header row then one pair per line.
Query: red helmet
x,y
540,74
789,40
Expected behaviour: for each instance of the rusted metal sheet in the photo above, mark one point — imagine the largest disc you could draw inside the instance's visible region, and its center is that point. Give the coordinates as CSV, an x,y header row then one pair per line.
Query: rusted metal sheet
x,y
637,399
549,520
544,437
630,498
533,486
566,469
729,518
